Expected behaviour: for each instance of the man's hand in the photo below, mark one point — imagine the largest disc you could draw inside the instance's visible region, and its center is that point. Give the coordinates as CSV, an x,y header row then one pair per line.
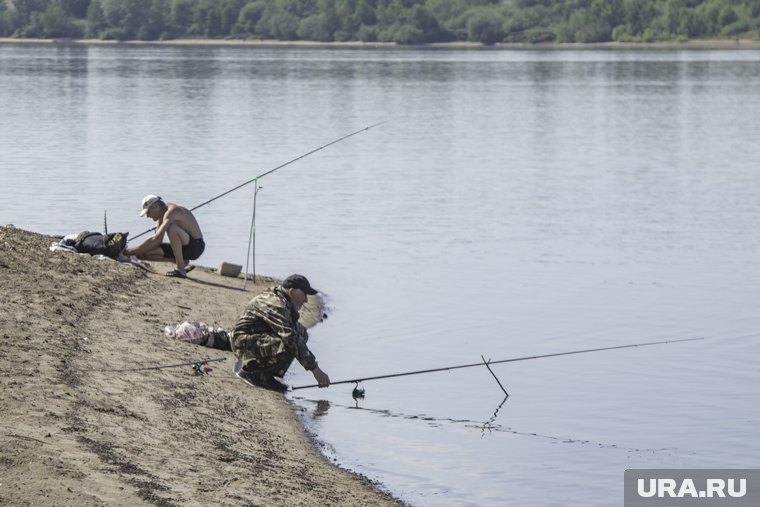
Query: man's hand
x,y
321,377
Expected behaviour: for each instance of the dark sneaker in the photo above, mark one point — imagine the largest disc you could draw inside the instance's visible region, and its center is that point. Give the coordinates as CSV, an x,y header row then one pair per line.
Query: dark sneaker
x,y
262,380
273,384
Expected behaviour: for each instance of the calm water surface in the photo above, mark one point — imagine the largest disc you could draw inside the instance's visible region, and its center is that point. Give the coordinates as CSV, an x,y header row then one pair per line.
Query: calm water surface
x,y
514,203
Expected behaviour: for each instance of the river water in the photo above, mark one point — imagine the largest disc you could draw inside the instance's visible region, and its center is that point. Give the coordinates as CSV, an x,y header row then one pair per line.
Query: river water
x,y
514,203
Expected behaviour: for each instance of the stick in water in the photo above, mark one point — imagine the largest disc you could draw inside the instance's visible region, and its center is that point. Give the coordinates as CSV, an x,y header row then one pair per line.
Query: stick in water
x,y
494,375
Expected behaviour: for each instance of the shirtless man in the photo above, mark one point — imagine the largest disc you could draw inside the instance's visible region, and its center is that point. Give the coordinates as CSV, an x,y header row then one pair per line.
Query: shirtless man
x,y
178,223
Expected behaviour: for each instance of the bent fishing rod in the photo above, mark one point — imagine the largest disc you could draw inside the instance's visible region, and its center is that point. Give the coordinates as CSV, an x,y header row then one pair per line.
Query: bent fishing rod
x,y
248,182
513,360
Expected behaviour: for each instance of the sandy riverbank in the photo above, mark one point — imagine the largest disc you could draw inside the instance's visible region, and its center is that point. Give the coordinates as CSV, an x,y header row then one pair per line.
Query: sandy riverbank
x,y
692,44
75,436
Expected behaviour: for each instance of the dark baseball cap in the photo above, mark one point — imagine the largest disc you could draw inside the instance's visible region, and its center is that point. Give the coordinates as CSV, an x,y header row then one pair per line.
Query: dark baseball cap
x,y
298,282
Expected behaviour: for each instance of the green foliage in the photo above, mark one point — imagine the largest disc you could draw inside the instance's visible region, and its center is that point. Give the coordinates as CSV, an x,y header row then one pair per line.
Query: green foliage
x,y
367,33
754,8
10,21
208,18
448,12
56,23
250,15
319,27
181,13
737,27
277,24
75,8
401,21
483,25
727,16
639,14
583,26
402,34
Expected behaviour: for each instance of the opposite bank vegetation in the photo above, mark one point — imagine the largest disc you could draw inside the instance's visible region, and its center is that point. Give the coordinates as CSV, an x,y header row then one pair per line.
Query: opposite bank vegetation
x,y
399,21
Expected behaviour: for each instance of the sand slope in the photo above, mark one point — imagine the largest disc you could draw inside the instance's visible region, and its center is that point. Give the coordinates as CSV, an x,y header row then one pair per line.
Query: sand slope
x,y
73,435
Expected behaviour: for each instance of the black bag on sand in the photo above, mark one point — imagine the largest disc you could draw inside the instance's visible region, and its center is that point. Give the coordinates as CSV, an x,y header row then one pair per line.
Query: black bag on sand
x,y
95,243
221,340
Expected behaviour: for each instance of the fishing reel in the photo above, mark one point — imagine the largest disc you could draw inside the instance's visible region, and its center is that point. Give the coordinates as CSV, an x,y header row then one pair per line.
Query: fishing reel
x,y
200,368
358,392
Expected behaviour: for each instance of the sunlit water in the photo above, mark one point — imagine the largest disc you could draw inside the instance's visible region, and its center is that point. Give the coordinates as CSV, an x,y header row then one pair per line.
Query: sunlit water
x,y
514,203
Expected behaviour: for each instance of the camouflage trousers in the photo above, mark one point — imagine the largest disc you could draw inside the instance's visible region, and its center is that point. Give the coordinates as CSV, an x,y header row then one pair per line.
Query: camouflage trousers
x,y
262,353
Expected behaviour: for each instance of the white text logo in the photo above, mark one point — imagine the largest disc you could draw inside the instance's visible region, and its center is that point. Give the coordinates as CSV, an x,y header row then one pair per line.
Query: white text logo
x,y
714,488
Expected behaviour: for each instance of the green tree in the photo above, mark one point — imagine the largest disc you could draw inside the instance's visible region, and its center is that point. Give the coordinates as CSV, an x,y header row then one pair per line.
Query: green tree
x,y
401,34
611,12
56,23
317,27
674,11
754,8
208,18
583,26
96,19
229,14
155,25
638,14
447,12
75,8
250,15
277,24
10,19
485,26
402,21
367,33
181,14
708,14
727,16
126,19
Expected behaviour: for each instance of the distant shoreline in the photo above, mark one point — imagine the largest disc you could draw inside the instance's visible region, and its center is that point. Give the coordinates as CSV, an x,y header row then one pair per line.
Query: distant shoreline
x,y
692,44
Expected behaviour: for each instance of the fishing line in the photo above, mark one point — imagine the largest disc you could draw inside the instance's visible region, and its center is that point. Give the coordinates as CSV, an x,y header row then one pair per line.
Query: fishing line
x,y
542,356
248,182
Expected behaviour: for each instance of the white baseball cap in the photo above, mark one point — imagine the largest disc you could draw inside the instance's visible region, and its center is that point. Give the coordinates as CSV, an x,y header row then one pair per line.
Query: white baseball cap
x,y
148,201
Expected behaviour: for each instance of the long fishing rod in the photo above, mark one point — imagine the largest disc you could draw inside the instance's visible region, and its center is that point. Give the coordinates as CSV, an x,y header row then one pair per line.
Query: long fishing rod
x,y
197,363
447,368
248,182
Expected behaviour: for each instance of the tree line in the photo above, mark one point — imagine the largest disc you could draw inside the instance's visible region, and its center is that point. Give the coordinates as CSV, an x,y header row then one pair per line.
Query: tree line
x,y
400,21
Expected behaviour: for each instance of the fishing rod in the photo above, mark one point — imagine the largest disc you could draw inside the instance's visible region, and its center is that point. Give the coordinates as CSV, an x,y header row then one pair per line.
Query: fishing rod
x,y
195,364
447,368
248,182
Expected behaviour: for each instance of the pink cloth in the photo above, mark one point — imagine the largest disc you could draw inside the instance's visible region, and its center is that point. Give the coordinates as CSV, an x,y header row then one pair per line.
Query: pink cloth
x,y
194,332
199,333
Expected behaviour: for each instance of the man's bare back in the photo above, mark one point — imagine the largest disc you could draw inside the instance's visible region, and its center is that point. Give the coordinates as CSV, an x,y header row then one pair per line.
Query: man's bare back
x,y
183,218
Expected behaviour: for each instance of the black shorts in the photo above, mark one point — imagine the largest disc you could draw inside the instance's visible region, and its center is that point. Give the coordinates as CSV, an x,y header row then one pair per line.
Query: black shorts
x,y
190,252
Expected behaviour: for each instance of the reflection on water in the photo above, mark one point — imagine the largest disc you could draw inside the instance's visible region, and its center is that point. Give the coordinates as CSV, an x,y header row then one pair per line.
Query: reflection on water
x,y
489,424
514,203
322,407
485,428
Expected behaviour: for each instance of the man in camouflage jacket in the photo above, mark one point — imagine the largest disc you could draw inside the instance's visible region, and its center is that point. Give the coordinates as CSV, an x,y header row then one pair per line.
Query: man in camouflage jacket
x,y
268,336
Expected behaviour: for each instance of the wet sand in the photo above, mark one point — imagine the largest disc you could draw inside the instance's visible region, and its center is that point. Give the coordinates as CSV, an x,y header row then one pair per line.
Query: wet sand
x,y
76,432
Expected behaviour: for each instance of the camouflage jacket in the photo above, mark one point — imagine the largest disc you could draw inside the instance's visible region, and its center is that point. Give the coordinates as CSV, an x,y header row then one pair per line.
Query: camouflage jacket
x,y
269,331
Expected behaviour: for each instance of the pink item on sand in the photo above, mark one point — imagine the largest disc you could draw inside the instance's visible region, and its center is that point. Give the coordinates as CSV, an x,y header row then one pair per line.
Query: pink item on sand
x,y
194,332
